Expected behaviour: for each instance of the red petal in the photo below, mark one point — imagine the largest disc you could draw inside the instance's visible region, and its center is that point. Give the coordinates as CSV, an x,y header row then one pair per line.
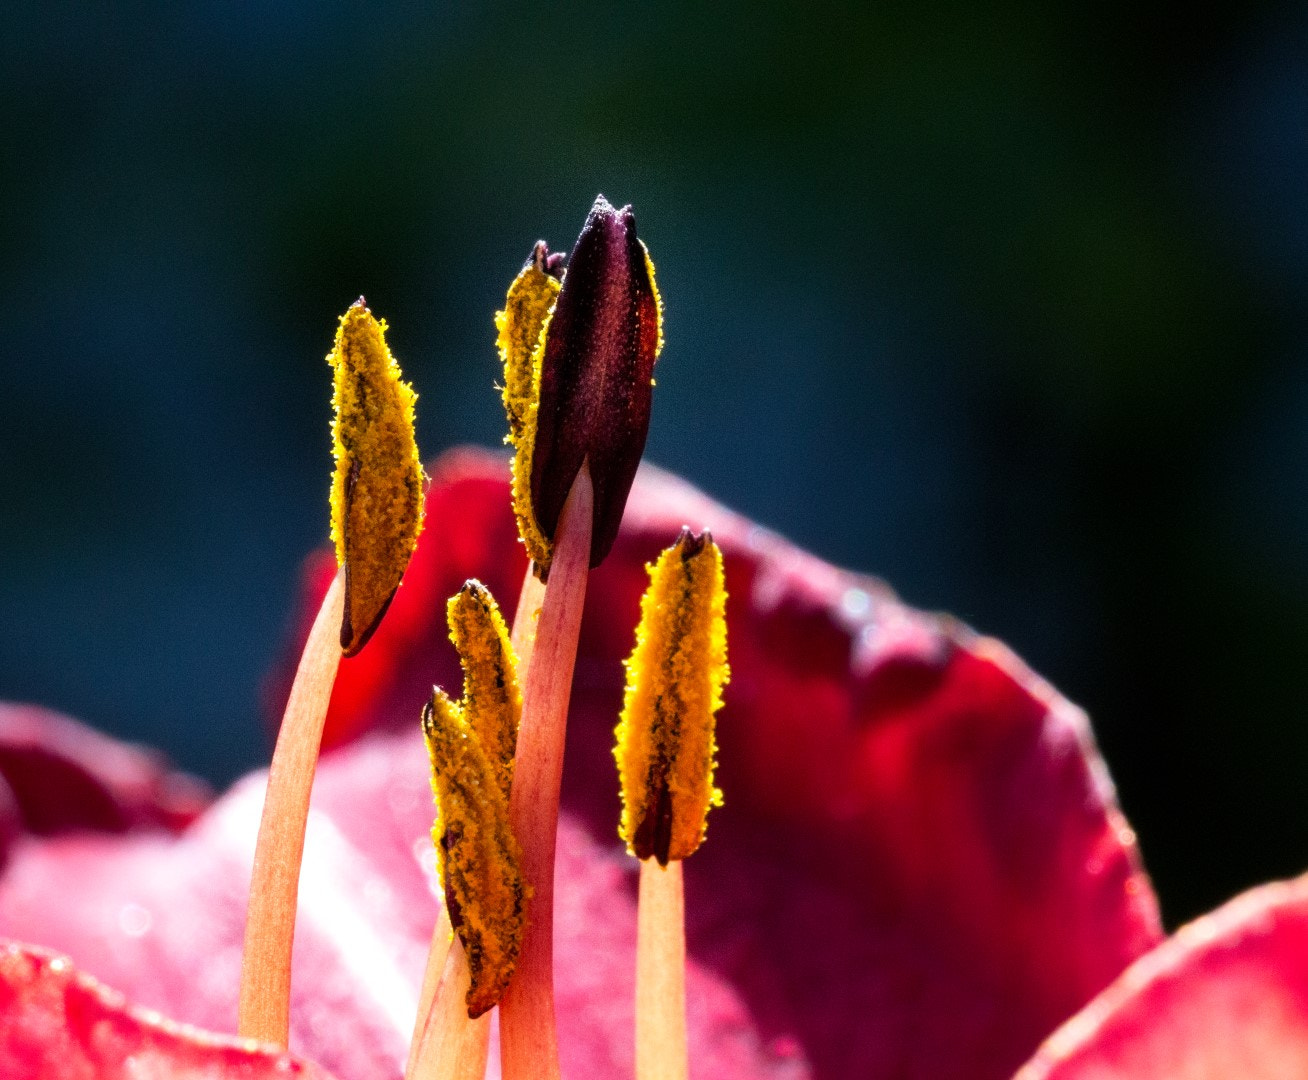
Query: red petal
x,y
1226,997
470,532
57,775
59,1024
920,868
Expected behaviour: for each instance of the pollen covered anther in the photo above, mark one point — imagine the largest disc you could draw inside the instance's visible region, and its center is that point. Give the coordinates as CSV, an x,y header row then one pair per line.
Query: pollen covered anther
x,y
583,393
478,857
675,675
492,700
377,491
521,326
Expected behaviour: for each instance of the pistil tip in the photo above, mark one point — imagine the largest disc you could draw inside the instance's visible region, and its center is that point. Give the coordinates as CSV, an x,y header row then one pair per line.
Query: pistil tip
x,y
580,362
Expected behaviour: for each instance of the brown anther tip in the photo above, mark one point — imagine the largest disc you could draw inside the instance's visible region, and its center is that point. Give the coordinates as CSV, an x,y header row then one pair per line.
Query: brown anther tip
x,y
653,839
347,631
545,261
690,544
347,649
348,646
475,589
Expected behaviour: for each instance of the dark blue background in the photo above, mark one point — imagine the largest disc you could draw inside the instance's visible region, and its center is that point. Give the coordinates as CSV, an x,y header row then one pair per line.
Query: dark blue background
x,y
1003,302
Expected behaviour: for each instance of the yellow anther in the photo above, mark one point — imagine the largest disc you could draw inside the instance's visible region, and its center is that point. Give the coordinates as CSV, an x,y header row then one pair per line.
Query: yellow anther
x,y
526,309
478,857
675,675
658,300
492,700
377,490
522,325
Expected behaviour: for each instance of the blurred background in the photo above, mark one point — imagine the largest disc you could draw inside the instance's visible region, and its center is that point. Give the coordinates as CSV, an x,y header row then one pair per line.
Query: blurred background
x,y
1002,302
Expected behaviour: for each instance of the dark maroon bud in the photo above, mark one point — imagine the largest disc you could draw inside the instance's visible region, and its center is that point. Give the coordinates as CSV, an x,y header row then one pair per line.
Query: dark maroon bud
x,y
597,374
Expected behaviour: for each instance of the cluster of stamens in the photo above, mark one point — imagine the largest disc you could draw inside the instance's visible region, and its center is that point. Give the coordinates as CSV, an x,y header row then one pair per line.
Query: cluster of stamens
x,y
578,348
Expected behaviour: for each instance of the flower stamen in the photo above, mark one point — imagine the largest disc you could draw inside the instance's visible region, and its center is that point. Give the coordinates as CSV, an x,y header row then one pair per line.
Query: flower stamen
x,y
376,497
476,853
522,325
376,504
665,753
675,675
471,745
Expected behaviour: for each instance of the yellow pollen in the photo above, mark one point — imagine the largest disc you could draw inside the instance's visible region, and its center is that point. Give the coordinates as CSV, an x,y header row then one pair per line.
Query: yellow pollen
x,y
658,299
478,857
675,675
492,700
522,325
377,490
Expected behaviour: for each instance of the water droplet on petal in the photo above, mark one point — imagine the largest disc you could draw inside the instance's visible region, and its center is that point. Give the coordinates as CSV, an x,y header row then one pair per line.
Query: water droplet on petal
x,y
855,603
134,920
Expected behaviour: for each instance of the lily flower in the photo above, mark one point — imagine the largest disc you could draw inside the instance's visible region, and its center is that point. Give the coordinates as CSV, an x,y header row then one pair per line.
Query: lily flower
x,y
919,869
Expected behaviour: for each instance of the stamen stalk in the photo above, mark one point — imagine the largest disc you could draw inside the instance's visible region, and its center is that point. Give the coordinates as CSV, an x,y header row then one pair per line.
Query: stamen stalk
x,y
437,954
661,973
528,1044
452,1046
525,619
265,1003
430,1011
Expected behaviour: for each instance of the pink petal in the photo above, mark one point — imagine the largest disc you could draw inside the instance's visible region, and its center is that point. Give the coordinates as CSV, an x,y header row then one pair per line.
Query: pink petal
x,y
1225,998
57,1023
163,920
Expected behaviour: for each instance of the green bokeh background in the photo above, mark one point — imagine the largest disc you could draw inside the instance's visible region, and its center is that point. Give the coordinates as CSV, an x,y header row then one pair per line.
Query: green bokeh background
x,y
1002,302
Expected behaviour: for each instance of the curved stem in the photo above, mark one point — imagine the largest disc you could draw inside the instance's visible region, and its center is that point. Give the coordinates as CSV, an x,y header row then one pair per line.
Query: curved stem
x,y
528,1044
452,1046
265,1008
437,955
